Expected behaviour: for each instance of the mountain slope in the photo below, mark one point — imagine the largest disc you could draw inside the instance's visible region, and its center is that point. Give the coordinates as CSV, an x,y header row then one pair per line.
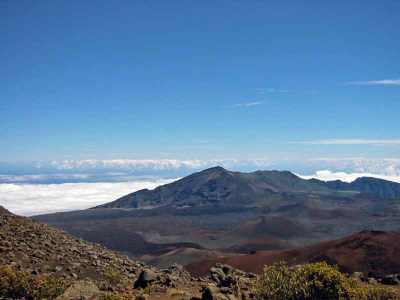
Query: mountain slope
x,y
277,227
217,185
33,255
209,186
30,246
376,253
380,187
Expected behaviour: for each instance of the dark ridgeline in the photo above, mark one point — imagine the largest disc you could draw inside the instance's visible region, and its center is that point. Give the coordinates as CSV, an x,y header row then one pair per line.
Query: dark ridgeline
x,y
217,185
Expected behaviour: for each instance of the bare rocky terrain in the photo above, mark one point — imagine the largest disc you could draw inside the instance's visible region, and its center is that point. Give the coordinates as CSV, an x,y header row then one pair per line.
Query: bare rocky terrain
x,y
91,271
35,249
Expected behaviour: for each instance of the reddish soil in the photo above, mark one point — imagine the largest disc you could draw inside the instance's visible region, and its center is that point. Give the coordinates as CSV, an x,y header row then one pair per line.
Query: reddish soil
x,y
375,253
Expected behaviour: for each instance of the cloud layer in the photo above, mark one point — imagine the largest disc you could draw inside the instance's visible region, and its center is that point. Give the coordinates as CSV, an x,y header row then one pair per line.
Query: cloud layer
x,y
126,164
92,170
326,175
381,166
34,199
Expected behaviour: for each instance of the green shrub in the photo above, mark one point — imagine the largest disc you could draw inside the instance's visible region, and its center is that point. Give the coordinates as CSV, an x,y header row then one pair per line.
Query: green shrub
x,y
17,285
110,296
114,277
326,282
314,281
378,293
148,289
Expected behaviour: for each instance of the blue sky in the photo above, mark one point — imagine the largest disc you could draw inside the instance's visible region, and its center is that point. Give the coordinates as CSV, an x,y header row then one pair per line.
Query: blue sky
x,y
199,79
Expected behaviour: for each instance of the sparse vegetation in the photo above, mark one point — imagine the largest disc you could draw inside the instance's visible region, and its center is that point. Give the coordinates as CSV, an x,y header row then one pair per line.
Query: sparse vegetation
x,y
21,221
148,289
313,281
111,296
378,293
114,277
17,285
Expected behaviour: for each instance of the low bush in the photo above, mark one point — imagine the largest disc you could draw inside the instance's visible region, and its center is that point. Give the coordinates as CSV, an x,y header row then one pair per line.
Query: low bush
x,y
110,296
17,285
114,277
314,281
378,293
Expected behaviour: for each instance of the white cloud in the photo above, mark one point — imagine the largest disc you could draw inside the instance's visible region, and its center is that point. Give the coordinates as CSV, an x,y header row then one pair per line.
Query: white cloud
x,y
127,164
385,166
42,177
326,175
198,147
248,104
33,199
263,162
351,142
264,91
377,82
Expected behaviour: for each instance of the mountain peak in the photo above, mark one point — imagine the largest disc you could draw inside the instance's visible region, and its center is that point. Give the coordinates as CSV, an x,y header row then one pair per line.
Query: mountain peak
x,y
215,169
217,185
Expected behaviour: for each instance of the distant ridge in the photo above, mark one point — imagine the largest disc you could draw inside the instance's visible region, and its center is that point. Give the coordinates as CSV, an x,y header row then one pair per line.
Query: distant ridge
x,y
217,185
380,187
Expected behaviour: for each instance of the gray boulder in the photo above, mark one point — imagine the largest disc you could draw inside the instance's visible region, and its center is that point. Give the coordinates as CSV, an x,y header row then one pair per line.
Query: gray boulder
x,y
391,280
145,278
217,274
212,293
81,290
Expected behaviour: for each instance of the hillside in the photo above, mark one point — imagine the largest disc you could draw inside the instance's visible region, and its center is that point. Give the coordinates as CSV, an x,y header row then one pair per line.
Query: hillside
x,y
40,262
272,231
217,185
379,187
376,253
278,227
30,248
35,248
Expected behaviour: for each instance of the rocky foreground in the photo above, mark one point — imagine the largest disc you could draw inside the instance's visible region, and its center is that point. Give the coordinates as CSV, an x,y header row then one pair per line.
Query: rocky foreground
x,y
35,249
35,256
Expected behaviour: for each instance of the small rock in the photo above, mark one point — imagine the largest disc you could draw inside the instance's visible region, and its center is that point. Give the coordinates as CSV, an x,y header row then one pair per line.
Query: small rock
x,y
372,280
13,264
211,293
227,269
225,290
217,274
358,275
